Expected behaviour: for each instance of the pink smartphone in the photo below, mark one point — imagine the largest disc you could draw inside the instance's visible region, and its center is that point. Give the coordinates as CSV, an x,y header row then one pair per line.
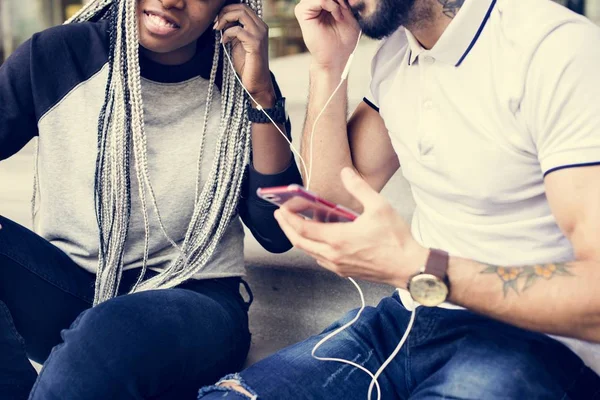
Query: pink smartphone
x,y
305,203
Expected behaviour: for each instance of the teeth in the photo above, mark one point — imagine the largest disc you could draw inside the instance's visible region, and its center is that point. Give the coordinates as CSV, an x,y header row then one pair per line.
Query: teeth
x,y
160,21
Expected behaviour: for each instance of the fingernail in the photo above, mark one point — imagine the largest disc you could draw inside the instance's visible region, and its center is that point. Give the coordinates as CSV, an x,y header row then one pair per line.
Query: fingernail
x,y
215,26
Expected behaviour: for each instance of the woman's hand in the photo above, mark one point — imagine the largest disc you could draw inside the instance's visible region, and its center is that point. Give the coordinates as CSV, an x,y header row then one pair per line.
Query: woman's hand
x,y
249,37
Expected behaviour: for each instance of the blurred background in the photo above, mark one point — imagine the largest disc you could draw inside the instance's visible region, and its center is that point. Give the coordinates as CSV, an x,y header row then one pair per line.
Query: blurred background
x,y
19,19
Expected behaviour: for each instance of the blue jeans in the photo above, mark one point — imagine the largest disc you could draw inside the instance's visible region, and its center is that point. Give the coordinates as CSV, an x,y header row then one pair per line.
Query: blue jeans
x,y
450,354
152,345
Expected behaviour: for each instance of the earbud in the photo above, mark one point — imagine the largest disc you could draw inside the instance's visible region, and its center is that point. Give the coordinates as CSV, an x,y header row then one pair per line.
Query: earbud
x,y
347,68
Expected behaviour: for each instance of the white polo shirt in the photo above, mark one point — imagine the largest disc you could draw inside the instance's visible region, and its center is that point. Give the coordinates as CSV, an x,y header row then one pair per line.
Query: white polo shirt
x,y
509,94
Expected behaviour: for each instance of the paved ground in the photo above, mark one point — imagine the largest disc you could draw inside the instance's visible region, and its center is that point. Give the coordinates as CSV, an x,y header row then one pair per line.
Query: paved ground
x,y
293,298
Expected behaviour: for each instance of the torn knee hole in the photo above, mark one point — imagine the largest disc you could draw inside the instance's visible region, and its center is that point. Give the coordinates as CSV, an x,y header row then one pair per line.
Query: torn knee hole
x,y
231,383
234,385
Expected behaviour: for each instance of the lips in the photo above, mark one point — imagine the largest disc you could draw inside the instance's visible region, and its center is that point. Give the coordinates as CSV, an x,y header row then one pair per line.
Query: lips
x,y
159,23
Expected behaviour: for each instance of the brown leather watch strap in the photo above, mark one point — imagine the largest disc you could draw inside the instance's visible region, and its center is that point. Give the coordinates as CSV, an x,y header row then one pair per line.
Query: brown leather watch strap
x,y
437,264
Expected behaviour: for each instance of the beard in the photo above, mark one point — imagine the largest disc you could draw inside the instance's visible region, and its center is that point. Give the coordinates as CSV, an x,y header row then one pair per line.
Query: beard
x,y
386,19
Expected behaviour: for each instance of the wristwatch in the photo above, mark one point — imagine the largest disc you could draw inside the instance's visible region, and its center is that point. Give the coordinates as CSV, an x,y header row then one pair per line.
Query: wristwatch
x,y
278,113
431,287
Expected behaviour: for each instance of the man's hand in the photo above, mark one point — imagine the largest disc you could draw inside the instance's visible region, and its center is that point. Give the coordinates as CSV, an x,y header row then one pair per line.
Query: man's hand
x,y
377,246
249,37
330,31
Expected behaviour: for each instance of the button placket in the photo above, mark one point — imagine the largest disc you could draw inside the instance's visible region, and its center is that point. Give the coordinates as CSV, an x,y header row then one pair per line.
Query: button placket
x,y
428,60
425,142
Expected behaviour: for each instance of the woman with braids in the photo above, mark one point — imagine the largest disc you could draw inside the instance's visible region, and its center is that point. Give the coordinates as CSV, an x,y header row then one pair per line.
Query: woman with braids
x,y
149,155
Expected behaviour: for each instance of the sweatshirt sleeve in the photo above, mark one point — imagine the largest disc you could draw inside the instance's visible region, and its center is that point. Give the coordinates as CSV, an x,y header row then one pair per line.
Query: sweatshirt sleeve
x,y
18,123
256,213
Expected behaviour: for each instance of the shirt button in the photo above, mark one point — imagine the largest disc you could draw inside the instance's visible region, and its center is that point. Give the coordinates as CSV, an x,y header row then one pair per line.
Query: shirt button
x,y
428,60
428,105
425,147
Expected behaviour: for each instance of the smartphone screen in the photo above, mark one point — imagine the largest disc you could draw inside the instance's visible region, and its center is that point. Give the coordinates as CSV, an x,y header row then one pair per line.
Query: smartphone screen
x,y
298,200
315,211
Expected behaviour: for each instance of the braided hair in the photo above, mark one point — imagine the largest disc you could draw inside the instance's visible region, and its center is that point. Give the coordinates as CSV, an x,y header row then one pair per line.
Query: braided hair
x,y
121,134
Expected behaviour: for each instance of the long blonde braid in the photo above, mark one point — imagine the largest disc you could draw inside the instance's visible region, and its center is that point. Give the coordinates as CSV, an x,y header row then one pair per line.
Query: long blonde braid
x,y
121,133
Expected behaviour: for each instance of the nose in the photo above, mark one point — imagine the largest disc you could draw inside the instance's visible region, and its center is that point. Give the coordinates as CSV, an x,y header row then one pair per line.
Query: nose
x,y
168,4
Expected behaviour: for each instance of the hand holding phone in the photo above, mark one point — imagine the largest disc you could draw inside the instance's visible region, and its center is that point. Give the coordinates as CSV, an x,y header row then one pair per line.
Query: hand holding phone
x,y
300,201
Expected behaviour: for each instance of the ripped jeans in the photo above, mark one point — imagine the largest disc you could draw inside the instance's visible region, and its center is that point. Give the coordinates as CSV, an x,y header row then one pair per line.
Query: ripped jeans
x,y
453,354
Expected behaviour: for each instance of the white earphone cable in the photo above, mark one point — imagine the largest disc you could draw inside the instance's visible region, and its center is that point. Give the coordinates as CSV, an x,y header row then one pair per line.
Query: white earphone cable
x,y
396,351
308,174
261,107
341,329
314,128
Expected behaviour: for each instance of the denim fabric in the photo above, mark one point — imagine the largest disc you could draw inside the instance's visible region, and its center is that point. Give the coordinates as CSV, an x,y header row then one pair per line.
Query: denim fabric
x,y
151,345
450,354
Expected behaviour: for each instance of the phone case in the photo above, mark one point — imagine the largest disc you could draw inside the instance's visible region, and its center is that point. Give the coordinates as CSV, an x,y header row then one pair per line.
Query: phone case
x,y
305,203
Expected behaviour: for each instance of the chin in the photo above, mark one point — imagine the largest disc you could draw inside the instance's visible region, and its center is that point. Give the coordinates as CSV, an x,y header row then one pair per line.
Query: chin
x,y
156,46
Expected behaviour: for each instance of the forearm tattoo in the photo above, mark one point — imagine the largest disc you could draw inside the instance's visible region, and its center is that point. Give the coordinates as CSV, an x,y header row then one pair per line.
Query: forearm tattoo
x,y
519,279
451,7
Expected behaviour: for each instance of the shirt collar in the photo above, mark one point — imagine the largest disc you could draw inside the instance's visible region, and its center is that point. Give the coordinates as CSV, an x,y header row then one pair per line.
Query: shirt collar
x,y
460,36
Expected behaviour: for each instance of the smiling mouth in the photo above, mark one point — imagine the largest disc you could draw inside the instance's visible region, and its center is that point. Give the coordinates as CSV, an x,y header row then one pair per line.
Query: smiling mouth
x,y
160,21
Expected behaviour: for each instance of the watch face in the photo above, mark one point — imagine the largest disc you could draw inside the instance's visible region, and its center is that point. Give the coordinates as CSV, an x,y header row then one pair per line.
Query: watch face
x,y
428,290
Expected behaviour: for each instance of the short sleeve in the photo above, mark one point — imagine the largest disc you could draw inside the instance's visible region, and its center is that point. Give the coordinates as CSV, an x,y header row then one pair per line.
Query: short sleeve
x,y
391,53
561,103
372,97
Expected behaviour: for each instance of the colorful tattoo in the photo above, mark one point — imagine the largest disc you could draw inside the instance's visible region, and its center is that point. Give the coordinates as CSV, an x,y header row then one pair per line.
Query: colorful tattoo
x,y
510,276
